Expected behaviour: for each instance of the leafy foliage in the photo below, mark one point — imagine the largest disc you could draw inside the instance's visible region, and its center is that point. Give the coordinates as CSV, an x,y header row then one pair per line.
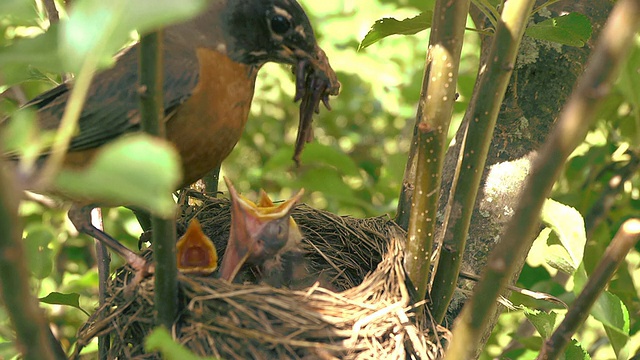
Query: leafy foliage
x,y
572,29
390,26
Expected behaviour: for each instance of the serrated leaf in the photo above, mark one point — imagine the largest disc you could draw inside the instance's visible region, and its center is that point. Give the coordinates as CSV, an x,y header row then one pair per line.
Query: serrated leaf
x,y
71,299
613,314
573,29
542,321
390,26
161,341
610,311
567,223
575,351
138,170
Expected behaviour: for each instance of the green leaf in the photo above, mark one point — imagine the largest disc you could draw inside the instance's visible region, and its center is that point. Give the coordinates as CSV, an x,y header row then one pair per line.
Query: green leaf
x,y
567,223
329,155
572,29
325,181
161,341
314,154
39,255
542,321
520,354
575,351
21,12
390,26
610,311
40,51
56,298
629,84
613,314
138,170
100,28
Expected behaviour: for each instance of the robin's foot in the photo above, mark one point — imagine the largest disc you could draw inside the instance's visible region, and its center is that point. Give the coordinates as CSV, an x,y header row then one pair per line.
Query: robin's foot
x,y
80,216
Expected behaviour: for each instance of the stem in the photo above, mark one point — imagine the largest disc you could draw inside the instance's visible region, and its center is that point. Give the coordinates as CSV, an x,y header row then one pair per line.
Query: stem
x,y
625,239
480,120
104,260
433,116
32,334
164,231
574,121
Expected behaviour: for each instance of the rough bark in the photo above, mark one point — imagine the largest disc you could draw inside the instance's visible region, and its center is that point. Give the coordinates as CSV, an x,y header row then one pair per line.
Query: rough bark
x,y
544,77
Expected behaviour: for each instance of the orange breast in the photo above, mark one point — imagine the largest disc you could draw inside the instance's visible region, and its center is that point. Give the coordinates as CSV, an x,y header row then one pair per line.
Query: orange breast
x,y
209,124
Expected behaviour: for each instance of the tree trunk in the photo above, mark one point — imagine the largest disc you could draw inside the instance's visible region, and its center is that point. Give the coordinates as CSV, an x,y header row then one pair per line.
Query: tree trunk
x,y
543,79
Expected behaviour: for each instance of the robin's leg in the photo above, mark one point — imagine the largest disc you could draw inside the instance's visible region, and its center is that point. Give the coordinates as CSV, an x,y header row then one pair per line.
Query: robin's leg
x,y
80,216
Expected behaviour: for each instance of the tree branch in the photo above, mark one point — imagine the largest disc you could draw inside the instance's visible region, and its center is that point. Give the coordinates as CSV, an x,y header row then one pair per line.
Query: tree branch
x,y
433,116
571,129
164,230
33,339
625,239
480,120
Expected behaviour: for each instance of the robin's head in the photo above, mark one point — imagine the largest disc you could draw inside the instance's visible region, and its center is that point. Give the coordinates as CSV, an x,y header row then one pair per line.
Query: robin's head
x,y
257,32
252,32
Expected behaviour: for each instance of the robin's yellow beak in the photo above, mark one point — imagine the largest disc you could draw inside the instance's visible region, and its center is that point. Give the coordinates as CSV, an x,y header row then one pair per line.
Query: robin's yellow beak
x,y
258,231
196,253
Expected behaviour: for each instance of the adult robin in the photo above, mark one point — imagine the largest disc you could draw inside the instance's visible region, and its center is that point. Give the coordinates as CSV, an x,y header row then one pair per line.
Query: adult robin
x,y
210,68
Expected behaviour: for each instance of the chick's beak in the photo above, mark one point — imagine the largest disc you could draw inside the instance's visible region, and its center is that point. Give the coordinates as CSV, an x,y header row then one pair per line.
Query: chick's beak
x,y
248,220
195,251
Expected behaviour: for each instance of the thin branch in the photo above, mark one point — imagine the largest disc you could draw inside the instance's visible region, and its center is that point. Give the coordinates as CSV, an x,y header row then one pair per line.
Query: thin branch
x,y
164,230
52,11
480,120
104,260
433,116
575,119
625,239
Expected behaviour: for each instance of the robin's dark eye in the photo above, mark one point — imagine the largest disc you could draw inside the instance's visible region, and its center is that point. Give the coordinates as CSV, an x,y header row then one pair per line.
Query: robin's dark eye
x,y
280,24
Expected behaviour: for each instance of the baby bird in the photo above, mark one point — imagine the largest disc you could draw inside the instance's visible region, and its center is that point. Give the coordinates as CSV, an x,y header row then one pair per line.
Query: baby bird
x,y
260,234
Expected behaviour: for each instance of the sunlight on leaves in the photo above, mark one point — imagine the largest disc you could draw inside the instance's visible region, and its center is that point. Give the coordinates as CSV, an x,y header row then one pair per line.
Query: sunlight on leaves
x,y
56,298
134,170
567,223
100,28
572,29
390,26
542,321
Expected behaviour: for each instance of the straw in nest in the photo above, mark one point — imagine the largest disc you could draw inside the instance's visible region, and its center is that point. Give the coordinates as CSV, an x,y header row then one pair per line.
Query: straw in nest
x,y
371,319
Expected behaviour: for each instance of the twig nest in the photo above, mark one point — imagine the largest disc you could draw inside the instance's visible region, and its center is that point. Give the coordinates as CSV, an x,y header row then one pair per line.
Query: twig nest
x,y
362,311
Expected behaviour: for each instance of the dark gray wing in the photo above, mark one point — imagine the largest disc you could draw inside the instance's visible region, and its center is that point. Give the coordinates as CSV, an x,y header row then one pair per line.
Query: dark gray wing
x,y
111,108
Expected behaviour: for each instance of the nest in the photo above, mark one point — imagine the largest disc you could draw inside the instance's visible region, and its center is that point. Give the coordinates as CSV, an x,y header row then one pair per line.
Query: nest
x,y
363,310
